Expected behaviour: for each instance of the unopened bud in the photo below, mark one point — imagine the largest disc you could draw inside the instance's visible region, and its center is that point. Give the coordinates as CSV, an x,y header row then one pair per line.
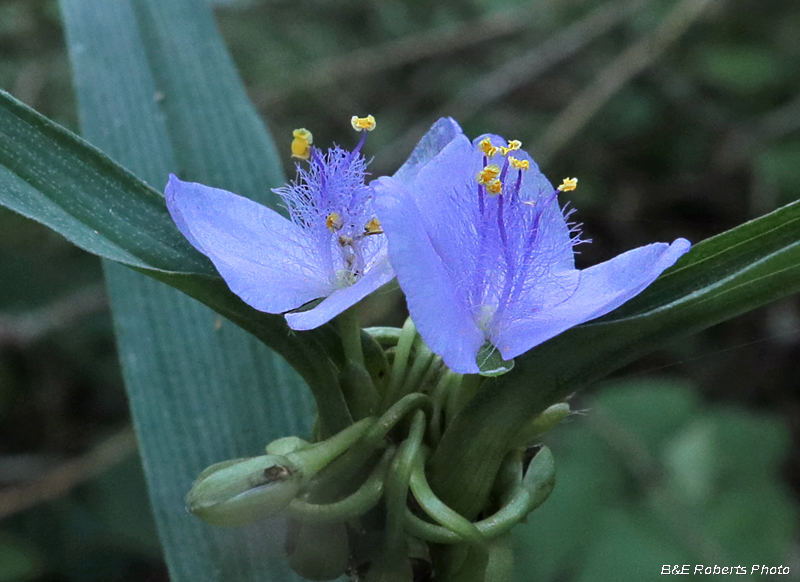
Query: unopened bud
x,y
242,491
543,423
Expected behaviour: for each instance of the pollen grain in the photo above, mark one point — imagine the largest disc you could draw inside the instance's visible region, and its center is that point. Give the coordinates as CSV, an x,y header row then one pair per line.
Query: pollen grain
x,y
519,164
363,123
568,185
301,144
513,145
485,145
373,227
487,174
334,221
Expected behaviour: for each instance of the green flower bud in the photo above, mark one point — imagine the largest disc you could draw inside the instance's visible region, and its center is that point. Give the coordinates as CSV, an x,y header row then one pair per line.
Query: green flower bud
x,y
543,423
241,491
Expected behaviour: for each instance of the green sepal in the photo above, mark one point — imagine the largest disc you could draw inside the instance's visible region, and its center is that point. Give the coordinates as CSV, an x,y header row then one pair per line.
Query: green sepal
x,y
491,363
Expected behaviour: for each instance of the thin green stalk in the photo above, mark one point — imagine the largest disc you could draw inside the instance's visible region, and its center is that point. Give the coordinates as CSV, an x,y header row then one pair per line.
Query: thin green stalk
x,y
531,493
437,510
350,330
341,472
422,361
439,397
387,337
402,352
397,483
351,507
314,458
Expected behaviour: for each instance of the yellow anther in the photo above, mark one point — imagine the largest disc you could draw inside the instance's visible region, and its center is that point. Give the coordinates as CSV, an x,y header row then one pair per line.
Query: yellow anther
x,y
301,144
568,185
488,174
519,164
485,145
494,186
513,145
363,123
334,221
373,227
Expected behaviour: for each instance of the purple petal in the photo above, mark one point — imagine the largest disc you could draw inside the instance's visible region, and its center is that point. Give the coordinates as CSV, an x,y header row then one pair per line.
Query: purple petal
x,y
444,191
377,276
434,302
601,289
264,258
439,135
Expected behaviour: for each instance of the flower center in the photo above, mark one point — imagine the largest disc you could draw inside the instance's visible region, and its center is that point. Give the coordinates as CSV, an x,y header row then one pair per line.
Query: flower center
x,y
330,201
511,255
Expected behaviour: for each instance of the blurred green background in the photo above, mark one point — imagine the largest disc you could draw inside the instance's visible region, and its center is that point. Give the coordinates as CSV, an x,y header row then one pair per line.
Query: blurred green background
x,y
679,117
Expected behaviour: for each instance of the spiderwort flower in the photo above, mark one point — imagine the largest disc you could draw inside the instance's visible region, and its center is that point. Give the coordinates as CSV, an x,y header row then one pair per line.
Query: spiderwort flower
x,y
331,247
484,253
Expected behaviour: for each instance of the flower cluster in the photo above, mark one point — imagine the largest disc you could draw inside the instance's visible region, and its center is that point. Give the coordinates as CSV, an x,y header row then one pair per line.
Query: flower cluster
x,y
473,230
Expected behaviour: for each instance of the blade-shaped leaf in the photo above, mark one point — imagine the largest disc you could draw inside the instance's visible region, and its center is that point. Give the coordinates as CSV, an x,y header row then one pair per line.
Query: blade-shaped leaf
x,y
749,266
54,177
159,101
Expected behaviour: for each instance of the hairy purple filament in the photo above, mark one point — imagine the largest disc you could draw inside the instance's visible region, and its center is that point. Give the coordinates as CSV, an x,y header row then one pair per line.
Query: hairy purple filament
x,y
507,234
333,186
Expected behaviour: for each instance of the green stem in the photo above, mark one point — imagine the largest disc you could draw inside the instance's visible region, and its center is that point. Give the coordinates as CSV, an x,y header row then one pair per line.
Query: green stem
x,y
312,459
397,484
434,507
330,482
351,507
439,398
387,337
350,330
422,362
501,560
535,489
359,391
403,350
376,362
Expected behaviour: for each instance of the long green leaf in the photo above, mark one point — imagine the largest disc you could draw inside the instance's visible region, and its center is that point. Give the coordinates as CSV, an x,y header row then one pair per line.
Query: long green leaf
x,y
749,266
148,95
54,177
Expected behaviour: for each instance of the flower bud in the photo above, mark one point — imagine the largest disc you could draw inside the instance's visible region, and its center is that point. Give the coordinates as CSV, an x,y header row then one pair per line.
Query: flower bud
x,y
241,491
543,423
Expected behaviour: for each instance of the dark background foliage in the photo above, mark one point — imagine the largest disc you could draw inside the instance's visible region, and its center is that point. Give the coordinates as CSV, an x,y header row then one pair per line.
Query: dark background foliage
x,y
681,118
